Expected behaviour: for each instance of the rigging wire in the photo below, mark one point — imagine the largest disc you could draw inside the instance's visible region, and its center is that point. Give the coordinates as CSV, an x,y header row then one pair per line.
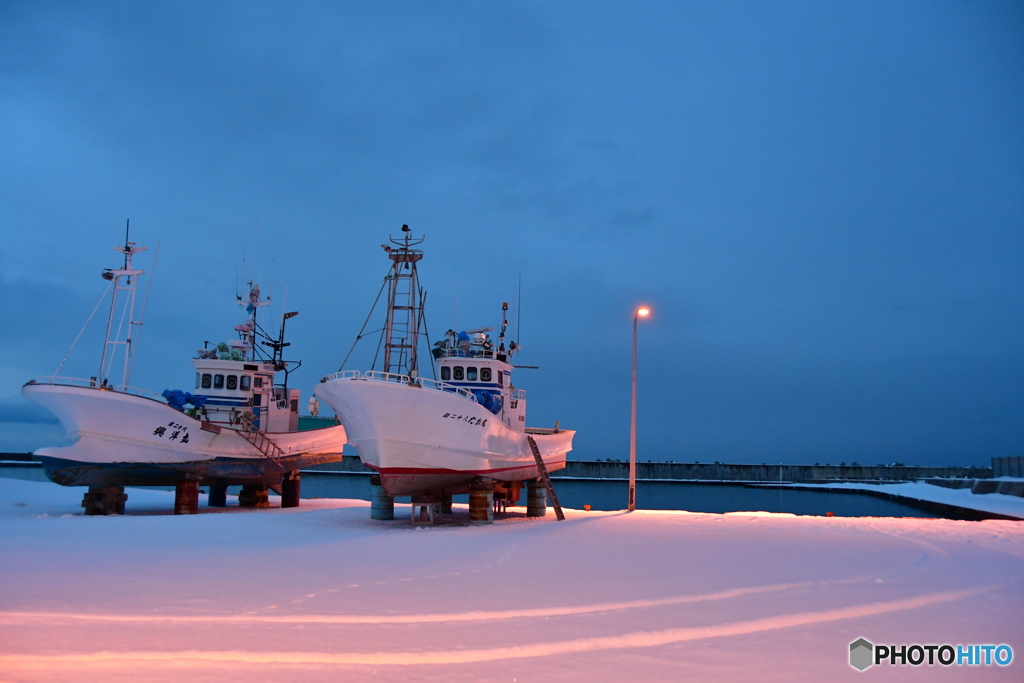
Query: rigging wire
x,y
423,319
380,343
89,320
129,302
363,328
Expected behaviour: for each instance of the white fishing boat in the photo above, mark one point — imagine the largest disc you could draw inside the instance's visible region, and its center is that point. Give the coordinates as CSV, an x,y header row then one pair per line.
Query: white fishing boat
x,y
426,436
239,427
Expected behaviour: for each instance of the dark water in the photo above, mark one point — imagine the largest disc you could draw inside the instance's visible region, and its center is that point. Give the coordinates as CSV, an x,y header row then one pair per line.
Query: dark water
x,y
706,497
718,498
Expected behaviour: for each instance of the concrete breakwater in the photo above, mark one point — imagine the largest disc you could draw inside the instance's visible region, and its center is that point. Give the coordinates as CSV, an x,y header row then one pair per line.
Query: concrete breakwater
x,y
982,486
679,471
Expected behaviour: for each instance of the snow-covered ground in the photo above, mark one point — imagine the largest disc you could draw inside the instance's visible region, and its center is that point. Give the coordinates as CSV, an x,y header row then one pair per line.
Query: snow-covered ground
x,y
989,502
322,592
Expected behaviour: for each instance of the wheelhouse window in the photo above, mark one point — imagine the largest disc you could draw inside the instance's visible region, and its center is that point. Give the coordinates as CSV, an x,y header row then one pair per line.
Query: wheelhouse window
x,y
446,373
501,378
258,382
218,381
459,372
198,379
245,382
207,380
470,374
485,374
232,382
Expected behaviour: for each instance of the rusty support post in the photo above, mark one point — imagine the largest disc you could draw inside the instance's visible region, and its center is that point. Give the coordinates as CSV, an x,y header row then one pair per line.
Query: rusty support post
x,y
481,500
186,497
290,488
253,496
104,500
446,504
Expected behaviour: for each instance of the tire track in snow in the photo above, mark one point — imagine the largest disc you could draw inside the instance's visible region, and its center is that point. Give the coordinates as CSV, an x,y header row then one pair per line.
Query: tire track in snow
x,y
636,639
478,615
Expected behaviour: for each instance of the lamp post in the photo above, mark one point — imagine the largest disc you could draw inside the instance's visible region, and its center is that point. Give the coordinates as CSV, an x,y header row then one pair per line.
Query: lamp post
x,y
641,312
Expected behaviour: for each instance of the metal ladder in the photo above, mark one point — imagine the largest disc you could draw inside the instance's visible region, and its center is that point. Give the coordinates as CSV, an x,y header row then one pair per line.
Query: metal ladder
x,y
545,478
259,440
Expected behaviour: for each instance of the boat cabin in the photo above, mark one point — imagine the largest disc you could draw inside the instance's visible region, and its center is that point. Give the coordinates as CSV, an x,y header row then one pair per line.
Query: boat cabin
x,y
470,361
229,387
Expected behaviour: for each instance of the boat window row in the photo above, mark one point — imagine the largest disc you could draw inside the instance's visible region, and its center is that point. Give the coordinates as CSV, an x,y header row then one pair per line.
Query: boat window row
x,y
207,380
460,373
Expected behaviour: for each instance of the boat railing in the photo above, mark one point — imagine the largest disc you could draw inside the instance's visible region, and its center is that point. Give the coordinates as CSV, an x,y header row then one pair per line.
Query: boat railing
x,y
474,351
518,394
444,386
379,376
92,383
343,374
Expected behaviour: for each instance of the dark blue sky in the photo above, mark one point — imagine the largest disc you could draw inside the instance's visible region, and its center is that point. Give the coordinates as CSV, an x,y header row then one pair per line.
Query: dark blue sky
x,y
823,203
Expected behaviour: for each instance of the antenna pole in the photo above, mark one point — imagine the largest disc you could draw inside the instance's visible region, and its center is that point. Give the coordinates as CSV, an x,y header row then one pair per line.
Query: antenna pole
x,y
504,325
519,309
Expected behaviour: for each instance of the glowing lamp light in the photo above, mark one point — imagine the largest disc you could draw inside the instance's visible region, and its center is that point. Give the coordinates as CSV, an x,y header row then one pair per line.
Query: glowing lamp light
x,y
643,311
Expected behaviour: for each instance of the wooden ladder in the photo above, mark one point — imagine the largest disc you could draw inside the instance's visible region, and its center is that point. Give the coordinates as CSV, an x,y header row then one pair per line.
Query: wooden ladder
x,y
546,478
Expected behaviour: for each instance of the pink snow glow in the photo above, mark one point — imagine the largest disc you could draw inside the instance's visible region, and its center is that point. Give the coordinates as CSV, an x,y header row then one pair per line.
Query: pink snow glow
x,y
322,592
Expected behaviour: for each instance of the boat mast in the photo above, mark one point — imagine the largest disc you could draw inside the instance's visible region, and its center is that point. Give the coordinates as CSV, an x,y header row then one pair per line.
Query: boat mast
x,y
126,281
252,305
405,306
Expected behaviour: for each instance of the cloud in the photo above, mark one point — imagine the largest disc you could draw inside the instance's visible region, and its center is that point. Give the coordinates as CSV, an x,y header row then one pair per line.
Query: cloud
x,y
828,234
15,409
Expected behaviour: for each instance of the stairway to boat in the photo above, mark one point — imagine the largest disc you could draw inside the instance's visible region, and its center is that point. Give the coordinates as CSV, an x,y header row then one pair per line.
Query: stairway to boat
x,y
259,440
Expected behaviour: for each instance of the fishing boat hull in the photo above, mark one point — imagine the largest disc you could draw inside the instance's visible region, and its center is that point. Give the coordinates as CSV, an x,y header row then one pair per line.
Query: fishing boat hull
x,y
215,471
421,439
121,438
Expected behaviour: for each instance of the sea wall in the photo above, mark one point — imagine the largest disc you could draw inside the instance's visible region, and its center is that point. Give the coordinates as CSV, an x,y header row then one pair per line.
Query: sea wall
x,y
586,469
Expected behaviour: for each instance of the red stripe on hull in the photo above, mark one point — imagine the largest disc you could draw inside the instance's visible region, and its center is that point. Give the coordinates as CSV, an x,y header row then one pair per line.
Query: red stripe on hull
x,y
406,481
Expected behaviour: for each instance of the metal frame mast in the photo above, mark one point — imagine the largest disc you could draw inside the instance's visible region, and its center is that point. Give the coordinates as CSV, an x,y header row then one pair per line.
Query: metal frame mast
x,y
405,306
125,280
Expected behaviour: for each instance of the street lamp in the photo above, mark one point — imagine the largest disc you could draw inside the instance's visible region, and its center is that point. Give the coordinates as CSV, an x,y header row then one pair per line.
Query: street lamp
x,y
641,312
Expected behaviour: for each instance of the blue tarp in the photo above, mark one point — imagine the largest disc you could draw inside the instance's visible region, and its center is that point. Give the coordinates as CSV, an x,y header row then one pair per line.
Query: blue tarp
x,y
489,399
176,398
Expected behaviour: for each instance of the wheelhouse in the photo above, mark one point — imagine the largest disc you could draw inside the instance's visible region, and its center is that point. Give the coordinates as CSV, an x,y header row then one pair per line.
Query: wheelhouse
x,y
471,361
